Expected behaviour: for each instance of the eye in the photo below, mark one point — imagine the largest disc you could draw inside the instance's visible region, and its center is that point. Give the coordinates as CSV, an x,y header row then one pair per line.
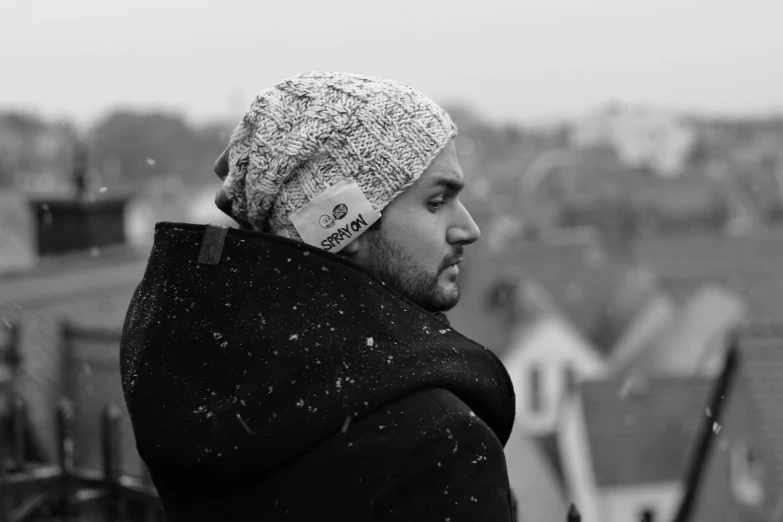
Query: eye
x,y
435,204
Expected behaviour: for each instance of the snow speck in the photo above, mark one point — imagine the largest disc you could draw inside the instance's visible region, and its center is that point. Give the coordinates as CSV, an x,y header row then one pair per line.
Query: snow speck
x,y
102,190
293,337
217,336
242,422
224,344
473,499
270,389
715,427
443,331
306,253
339,383
300,403
708,412
381,427
346,424
324,269
228,305
370,341
151,162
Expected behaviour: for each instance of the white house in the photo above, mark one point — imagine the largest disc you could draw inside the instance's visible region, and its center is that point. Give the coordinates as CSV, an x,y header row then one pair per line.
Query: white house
x,y
625,443
533,479
545,360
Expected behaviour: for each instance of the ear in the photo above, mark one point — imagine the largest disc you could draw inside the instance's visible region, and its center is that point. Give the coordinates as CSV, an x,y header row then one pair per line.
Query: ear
x,y
357,249
351,248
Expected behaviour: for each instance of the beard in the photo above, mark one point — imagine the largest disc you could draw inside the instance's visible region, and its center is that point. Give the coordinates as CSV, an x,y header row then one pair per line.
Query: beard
x,y
389,262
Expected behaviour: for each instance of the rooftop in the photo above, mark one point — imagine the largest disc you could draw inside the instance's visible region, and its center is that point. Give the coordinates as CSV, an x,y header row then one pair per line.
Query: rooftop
x,y
641,431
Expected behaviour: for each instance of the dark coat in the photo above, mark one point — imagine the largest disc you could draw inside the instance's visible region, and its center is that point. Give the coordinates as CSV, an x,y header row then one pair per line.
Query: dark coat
x,y
286,383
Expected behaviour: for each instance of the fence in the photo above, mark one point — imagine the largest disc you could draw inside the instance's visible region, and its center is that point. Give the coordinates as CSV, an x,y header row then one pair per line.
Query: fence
x,y
38,491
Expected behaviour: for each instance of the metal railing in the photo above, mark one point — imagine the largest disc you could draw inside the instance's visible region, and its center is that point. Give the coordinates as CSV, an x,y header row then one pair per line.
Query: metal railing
x,y
40,491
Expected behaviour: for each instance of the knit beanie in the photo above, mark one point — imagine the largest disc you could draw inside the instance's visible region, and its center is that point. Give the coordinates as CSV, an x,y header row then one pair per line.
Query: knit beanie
x,y
309,132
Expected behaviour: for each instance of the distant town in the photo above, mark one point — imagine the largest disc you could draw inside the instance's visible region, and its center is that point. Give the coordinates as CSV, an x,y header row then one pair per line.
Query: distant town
x,y
629,276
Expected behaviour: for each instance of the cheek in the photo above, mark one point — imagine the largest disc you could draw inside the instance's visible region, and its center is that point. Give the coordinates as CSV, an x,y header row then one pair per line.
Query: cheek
x,y
421,238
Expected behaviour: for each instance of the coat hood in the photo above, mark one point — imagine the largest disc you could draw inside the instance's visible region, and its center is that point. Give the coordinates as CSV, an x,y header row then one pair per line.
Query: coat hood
x,y
233,370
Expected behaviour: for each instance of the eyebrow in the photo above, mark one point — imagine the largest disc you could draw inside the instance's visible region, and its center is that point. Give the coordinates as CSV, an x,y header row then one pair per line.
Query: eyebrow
x,y
448,182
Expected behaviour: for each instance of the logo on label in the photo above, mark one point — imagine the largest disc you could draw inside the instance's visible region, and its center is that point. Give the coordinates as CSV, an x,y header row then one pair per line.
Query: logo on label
x,y
326,221
340,211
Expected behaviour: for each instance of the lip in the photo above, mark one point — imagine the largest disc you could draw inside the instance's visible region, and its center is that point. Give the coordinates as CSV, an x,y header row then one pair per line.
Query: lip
x,y
453,265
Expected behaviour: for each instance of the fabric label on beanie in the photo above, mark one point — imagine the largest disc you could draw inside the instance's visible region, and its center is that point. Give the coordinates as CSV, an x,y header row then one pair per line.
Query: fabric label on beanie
x,y
335,217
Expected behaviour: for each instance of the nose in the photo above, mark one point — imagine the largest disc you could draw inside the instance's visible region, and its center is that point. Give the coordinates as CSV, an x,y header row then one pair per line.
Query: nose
x,y
464,231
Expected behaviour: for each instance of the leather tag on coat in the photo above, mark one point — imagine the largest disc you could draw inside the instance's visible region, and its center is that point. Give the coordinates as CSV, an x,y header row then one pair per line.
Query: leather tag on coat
x,y
212,244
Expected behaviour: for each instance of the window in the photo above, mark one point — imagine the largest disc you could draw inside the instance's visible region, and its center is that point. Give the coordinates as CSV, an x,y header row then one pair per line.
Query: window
x,y
747,474
569,378
536,392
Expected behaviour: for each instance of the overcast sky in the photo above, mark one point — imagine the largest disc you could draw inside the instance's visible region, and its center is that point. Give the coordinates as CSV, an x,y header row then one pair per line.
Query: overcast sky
x,y
523,60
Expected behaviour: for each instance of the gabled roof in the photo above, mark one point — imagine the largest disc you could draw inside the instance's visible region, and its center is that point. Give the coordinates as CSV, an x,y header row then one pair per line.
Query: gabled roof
x,y
641,431
482,271
694,342
756,358
578,277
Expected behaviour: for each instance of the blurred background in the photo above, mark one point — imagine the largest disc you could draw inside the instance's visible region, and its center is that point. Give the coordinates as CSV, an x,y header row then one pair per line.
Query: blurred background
x,y
624,161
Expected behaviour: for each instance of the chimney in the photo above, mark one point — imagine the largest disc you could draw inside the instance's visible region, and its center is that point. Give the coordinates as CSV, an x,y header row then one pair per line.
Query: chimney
x,y
81,222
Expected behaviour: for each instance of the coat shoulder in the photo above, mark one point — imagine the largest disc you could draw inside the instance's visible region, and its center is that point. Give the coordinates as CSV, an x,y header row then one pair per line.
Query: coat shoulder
x,y
453,466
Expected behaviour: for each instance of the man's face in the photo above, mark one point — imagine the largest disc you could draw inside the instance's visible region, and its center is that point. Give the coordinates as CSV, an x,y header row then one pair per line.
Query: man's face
x,y
419,244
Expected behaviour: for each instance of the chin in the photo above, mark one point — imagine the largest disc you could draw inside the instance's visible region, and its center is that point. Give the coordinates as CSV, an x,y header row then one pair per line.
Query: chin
x,y
449,297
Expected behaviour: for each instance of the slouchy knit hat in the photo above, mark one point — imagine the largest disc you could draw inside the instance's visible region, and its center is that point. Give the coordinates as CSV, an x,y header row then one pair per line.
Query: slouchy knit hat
x,y
316,129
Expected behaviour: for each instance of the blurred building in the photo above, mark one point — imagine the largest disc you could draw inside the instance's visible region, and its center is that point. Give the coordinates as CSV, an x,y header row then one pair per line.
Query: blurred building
x,y
640,137
625,443
737,471
68,308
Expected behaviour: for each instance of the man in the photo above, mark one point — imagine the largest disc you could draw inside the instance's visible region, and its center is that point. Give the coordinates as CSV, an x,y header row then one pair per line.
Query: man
x,y
301,368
